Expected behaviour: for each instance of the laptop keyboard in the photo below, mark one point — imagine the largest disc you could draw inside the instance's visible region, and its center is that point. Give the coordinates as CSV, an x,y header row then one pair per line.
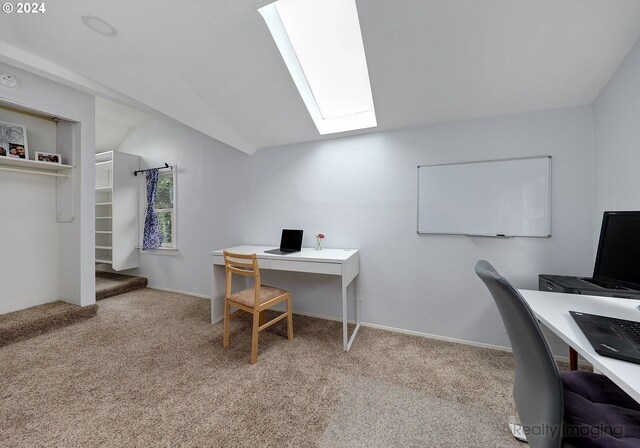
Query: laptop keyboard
x,y
604,285
631,328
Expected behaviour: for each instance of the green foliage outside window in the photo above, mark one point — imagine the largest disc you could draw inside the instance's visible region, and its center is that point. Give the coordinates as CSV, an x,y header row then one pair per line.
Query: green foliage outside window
x,y
164,209
166,231
165,193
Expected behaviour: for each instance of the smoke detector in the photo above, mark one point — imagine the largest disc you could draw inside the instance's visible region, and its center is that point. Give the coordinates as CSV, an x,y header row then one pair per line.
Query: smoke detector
x,y
8,81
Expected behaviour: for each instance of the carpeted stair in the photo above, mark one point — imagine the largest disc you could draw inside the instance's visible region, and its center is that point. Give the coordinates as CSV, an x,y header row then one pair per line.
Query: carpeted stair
x,y
110,284
24,324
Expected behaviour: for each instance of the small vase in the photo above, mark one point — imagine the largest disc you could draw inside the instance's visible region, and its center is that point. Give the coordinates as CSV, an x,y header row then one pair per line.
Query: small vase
x,y
318,244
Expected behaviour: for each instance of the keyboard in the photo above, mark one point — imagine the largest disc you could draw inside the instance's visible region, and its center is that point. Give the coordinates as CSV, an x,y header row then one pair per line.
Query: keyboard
x,y
631,328
604,285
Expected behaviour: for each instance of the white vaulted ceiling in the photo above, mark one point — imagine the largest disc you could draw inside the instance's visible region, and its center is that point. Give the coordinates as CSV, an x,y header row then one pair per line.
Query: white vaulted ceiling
x,y
114,122
213,65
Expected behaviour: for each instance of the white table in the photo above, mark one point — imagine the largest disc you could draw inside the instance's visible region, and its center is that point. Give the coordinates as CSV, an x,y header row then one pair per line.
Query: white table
x,y
552,309
342,262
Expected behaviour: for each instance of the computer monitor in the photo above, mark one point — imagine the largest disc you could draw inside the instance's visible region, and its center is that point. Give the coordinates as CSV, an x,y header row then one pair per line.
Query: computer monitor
x,y
618,258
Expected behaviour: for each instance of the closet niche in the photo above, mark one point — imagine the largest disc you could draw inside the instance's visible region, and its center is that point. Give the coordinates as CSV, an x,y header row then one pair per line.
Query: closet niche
x,y
39,201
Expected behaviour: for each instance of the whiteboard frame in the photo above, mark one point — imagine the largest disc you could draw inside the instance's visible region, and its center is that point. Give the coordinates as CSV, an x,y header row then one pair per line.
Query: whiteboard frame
x,y
481,234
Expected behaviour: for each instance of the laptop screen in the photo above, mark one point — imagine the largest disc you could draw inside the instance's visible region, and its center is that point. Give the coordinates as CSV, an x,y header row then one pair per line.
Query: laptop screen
x,y
618,258
291,240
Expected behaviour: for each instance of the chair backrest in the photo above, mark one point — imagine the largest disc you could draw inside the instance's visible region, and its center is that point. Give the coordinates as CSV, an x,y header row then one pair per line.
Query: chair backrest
x,y
245,265
537,391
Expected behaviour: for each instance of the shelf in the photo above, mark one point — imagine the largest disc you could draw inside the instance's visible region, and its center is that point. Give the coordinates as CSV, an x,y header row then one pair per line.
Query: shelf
x,y
104,203
104,260
33,167
106,162
104,247
104,231
104,188
104,156
104,217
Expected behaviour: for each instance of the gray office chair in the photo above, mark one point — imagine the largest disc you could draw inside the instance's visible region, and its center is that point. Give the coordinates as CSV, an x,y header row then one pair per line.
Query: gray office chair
x,y
575,409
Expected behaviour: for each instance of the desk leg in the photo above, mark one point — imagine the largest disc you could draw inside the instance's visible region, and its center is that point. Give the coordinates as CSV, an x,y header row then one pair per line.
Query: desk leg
x,y
573,359
218,282
345,317
346,341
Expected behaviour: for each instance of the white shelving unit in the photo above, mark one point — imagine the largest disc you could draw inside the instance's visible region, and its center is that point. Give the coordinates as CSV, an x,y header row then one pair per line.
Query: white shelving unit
x,y
116,207
104,203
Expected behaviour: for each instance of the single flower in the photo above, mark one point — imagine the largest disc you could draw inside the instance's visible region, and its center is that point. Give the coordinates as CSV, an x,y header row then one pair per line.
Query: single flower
x,y
320,235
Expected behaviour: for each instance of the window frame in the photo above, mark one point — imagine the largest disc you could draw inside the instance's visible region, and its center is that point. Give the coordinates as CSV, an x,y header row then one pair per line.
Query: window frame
x,y
164,249
161,175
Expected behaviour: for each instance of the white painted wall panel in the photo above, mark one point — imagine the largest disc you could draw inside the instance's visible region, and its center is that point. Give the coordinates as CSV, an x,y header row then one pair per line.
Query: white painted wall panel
x,y
125,210
29,244
617,142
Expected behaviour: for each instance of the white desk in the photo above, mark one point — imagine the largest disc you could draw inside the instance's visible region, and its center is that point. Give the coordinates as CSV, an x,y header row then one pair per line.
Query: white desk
x,y
342,262
552,309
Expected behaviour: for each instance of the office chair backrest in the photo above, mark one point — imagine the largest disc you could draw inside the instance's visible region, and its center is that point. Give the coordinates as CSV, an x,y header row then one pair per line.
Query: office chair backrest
x,y
238,264
537,390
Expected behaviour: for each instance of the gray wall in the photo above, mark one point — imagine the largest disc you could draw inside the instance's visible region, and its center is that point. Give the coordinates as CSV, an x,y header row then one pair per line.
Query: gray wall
x,y
212,196
361,192
617,142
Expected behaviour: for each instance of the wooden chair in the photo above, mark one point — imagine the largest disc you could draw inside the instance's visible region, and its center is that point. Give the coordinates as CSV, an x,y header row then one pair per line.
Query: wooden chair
x,y
252,300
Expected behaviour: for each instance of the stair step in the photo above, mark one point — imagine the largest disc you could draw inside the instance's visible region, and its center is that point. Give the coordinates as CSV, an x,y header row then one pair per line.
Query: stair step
x,y
30,322
110,284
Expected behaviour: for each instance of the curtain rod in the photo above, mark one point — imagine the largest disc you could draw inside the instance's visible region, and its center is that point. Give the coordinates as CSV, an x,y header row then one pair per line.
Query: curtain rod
x,y
166,166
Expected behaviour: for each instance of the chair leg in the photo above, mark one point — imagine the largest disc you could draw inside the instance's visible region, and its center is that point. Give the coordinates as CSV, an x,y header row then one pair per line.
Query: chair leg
x,y
289,319
227,318
261,318
254,337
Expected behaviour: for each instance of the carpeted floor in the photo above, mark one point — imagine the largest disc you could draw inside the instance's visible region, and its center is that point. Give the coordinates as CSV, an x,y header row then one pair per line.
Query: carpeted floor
x,y
30,322
150,370
109,284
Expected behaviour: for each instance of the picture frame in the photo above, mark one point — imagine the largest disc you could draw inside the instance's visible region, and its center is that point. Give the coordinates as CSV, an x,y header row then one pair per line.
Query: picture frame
x,y
48,157
13,141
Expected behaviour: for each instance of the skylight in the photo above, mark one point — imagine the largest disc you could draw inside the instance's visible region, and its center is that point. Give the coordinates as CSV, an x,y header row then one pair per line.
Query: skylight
x,y
321,44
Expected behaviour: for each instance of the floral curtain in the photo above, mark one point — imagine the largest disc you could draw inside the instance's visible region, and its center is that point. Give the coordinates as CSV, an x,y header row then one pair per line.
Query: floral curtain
x,y
152,238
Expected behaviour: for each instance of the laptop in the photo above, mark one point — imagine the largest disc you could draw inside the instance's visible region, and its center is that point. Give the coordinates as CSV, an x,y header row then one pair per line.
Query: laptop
x,y
290,242
611,337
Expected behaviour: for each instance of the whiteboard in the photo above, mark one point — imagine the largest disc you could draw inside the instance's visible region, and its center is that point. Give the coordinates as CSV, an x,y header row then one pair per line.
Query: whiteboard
x,y
490,198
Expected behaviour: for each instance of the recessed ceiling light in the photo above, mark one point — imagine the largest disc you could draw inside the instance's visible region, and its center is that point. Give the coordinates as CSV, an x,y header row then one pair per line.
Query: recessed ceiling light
x,y
100,26
321,44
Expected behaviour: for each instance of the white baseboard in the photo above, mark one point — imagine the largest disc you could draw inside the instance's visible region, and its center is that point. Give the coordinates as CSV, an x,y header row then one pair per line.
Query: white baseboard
x,y
581,362
392,329
321,316
403,331
186,293
436,337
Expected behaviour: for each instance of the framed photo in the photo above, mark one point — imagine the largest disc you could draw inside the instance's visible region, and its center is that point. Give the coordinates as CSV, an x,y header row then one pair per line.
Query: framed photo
x,y
13,141
48,157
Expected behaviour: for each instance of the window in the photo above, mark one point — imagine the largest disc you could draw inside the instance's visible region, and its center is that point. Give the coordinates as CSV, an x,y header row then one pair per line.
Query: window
x,y
321,45
165,208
